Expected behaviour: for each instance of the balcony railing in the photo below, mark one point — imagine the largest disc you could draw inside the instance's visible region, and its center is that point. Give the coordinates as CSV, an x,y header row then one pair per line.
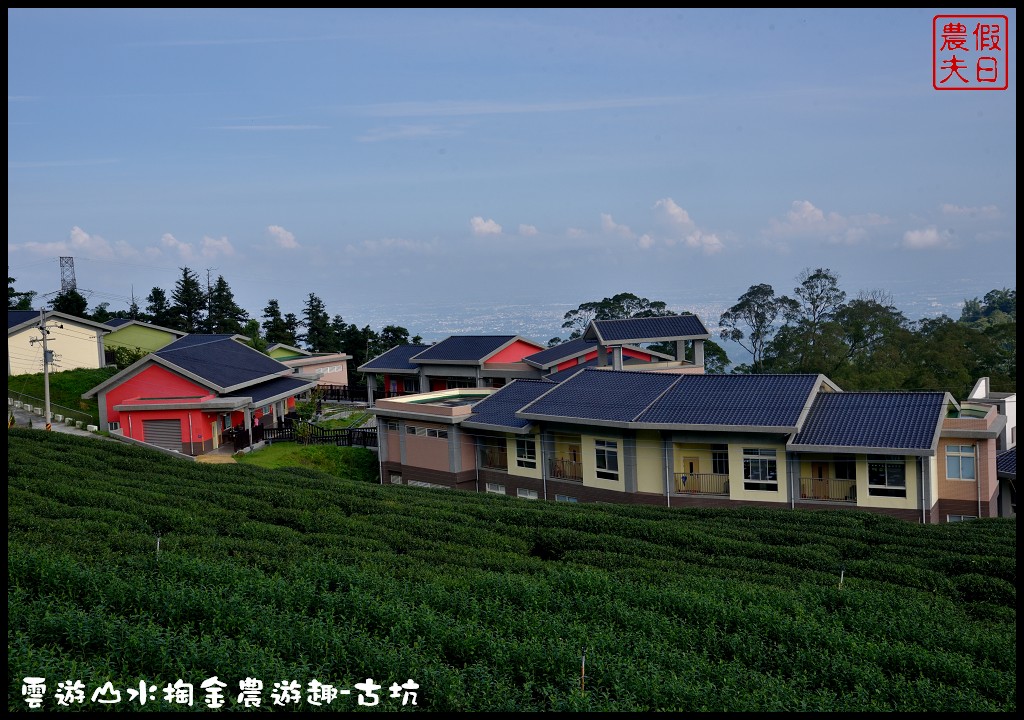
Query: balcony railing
x,y
702,483
565,469
494,458
828,489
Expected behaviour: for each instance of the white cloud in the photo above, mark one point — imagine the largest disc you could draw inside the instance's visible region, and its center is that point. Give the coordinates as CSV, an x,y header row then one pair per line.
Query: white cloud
x,y
209,248
804,220
682,230
609,225
527,230
575,233
483,227
985,211
675,215
184,250
708,243
925,238
282,237
216,247
81,243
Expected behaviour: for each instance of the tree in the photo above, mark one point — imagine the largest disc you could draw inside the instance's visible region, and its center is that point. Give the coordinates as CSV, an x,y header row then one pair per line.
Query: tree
x,y
71,302
998,306
189,302
101,313
292,326
252,331
753,321
274,328
390,336
18,300
317,323
223,314
159,310
623,305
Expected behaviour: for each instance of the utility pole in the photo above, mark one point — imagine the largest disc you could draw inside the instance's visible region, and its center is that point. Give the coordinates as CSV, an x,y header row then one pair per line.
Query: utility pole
x,y
47,359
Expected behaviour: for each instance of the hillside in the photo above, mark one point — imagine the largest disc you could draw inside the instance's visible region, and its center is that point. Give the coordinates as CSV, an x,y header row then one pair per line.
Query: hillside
x,y
126,565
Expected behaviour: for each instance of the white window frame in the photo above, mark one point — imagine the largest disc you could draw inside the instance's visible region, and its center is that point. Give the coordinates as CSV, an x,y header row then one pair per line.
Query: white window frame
x,y
527,494
956,457
392,425
960,518
496,488
566,498
606,454
760,469
894,483
526,452
396,478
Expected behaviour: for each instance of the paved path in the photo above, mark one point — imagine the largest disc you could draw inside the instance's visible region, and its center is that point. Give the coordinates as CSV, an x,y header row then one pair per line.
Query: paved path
x,y
22,418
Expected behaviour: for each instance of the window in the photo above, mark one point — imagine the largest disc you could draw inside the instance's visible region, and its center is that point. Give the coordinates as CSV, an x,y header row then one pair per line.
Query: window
x,y
420,483
759,470
493,453
495,488
960,518
720,459
453,383
425,432
565,498
113,425
391,425
888,477
607,452
528,494
396,479
845,469
526,453
960,462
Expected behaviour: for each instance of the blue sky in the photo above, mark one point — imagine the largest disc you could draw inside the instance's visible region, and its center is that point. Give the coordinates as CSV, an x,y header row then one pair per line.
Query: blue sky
x,y
515,156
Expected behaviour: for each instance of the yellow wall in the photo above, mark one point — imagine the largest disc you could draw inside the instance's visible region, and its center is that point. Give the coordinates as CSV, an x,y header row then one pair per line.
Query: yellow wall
x,y
650,474
513,466
74,346
590,478
913,499
736,489
137,336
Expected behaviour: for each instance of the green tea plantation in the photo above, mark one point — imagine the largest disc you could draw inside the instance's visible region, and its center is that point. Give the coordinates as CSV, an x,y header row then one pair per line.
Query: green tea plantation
x,y
176,586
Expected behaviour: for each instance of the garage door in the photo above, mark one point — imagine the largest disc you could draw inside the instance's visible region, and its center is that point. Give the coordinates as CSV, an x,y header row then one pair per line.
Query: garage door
x,y
163,433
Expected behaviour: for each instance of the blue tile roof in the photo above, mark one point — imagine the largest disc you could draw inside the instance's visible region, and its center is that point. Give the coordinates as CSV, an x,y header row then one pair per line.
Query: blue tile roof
x,y
500,408
671,327
275,388
880,420
602,395
17,317
220,360
559,353
733,400
116,322
463,348
1006,463
397,358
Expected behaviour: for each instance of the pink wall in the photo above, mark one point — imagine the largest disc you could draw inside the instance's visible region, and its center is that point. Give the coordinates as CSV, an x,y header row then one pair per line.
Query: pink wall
x,y
591,355
153,382
514,352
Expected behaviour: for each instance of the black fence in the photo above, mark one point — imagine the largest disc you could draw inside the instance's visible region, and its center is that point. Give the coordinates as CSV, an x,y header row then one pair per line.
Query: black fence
x,y
342,393
306,433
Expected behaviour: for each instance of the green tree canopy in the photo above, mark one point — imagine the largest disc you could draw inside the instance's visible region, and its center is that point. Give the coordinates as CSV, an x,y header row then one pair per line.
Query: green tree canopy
x,y
223,314
189,302
71,302
18,300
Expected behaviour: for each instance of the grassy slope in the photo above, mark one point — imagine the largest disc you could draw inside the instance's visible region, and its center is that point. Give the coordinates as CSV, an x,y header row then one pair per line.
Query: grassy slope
x,y
345,462
66,389
487,601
